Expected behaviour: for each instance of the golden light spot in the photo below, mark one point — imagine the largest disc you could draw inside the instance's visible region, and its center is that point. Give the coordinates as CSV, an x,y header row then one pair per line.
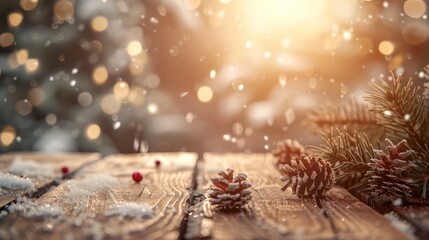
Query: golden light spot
x,y
6,39
134,48
237,85
100,75
7,136
28,5
110,105
414,8
92,131
121,90
99,23
152,108
22,56
31,65
138,63
15,19
137,95
51,119
347,35
386,47
23,107
212,74
192,4
36,96
205,94
64,10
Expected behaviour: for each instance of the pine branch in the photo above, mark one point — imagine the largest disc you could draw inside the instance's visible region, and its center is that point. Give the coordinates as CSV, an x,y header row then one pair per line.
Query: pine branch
x,y
349,154
400,109
420,172
353,115
426,86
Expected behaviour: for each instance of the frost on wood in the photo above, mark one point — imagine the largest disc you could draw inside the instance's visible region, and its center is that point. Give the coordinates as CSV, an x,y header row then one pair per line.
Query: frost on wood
x,y
400,224
30,209
30,168
80,190
131,210
12,182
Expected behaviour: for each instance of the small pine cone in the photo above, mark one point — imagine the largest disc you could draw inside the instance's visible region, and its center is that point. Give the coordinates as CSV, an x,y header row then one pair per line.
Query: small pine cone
x,y
307,175
287,149
388,175
229,192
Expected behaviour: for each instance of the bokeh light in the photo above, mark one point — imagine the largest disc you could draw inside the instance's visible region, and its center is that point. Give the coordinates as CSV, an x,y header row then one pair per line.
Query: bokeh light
x,y
100,75
124,67
7,135
110,105
32,64
204,94
99,23
93,131
121,90
23,107
386,47
64,10
15,19
414,8
36,96
192,4
28,5
134,48
6,39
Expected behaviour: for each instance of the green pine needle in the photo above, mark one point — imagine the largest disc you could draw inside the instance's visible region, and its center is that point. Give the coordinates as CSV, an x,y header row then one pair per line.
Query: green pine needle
x,y
349,155
353,115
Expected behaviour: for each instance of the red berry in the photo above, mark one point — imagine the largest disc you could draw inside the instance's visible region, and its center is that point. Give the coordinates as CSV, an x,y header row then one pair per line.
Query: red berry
x,y
65,170
157,163
137,177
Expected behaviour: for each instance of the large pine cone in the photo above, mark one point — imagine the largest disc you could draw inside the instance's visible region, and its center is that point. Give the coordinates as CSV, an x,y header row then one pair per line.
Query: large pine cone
x,y
229,192
388,174
287,149
307,176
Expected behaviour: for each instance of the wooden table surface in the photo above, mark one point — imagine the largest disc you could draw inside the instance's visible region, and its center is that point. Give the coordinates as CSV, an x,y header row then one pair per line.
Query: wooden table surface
x,y
176,192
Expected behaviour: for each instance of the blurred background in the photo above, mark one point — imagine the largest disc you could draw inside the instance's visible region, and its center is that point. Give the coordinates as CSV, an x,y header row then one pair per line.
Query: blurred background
x,y
192,75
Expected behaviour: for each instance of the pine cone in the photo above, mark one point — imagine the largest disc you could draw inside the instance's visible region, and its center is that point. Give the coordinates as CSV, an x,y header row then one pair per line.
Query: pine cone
x,y
229,192
388,174
308,176
287,149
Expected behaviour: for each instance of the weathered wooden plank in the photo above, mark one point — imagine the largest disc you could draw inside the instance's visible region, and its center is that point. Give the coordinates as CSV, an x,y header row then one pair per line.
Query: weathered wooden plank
x,y
55,160
272,214
418,216
355,220
164,189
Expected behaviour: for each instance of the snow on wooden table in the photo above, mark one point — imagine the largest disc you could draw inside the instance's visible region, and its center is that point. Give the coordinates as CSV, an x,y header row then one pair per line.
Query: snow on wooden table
x,y
101,201
42,169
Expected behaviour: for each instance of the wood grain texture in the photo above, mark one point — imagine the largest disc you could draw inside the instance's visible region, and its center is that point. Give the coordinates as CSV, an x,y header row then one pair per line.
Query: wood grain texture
x,y
355,220
418,216
56,160
272,214
165,190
